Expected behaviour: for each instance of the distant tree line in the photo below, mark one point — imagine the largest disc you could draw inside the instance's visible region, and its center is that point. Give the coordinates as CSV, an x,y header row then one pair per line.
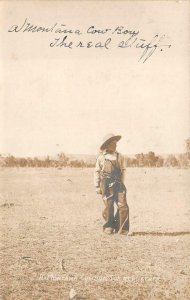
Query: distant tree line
x,y
61,161
152,160
149,159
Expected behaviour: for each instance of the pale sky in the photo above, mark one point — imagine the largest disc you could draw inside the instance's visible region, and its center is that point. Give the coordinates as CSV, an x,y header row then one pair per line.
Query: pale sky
x,y
58,99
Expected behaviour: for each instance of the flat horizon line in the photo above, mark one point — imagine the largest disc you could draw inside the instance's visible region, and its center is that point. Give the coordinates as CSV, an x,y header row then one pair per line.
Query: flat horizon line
x,y
85,154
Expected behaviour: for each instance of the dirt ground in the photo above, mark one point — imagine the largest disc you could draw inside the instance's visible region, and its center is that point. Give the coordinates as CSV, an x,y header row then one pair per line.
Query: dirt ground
x,y
52,239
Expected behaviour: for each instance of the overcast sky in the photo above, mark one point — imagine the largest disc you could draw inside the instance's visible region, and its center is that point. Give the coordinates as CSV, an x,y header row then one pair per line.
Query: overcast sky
x,y
58,99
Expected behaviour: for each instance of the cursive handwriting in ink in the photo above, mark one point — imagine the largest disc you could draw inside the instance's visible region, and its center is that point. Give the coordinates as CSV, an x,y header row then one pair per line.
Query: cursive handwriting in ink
x,y
149,48
152,46
58,42
67,31
95,45
108,38
14,28
122,30
129,42
92,30
62,43
27,27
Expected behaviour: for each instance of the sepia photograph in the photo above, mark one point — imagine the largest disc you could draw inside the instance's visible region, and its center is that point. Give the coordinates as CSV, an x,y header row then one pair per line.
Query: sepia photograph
x,y
95,150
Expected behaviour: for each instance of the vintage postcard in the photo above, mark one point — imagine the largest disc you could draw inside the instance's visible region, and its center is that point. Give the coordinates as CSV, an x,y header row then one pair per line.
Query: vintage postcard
x,y
95,150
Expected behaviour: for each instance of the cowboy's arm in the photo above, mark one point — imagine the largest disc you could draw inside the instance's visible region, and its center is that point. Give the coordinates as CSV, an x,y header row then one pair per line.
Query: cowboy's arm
x,y
97,173
123,169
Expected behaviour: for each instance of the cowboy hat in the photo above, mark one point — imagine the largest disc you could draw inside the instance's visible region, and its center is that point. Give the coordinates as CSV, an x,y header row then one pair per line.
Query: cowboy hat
x,y
109,138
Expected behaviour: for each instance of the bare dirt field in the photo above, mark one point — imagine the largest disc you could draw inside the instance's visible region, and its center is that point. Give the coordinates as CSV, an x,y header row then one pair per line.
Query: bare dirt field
x,y
52,239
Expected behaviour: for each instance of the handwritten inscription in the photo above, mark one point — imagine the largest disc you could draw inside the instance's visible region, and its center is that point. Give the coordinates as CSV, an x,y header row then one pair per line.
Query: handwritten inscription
x,y
118,37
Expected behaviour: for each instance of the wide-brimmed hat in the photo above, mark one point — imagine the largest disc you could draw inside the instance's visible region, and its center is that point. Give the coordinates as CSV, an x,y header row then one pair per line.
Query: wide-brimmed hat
x,y
108,138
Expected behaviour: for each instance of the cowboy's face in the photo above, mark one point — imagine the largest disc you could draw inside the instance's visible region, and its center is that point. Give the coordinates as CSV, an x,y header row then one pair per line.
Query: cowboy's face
x,y
111,147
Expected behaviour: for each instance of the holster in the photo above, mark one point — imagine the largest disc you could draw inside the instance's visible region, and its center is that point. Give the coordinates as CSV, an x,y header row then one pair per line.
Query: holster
x,y
107,188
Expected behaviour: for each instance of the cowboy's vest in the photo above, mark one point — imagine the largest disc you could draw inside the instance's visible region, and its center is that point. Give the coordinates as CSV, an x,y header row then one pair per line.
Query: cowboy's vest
x,y
111,168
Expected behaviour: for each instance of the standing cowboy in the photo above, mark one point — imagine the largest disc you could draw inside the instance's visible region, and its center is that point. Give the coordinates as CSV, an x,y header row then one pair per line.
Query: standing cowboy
x,y
109,177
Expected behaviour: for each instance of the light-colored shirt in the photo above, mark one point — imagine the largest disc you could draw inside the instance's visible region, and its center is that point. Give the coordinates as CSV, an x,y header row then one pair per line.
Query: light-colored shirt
x,y
100,164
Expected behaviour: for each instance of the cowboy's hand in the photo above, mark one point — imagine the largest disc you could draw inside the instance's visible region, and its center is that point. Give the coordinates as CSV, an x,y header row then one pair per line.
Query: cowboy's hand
x,y
98,190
